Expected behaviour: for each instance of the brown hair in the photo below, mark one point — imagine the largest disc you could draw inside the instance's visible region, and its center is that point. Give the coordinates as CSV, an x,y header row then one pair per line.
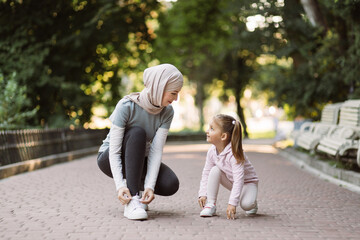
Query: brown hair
x,y
231,126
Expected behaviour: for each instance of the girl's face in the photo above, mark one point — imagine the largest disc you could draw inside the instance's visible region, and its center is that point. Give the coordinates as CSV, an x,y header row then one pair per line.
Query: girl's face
x,y
169,97
214,133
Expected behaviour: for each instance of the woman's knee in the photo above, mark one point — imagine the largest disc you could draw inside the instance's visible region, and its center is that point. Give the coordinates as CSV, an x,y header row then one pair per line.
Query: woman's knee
x,y
167,183
137,132
103,163
135,136
172,186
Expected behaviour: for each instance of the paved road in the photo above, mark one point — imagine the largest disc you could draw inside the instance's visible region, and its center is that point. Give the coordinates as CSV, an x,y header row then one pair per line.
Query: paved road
x,y
76,201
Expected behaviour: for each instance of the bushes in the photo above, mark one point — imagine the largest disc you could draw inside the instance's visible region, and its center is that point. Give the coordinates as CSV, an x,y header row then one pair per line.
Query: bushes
x,y
13,104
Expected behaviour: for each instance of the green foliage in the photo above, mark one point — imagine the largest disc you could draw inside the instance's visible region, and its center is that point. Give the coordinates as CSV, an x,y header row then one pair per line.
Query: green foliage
x,y
208,40
73,55
68,53
325,60
187,34
13,100
191,37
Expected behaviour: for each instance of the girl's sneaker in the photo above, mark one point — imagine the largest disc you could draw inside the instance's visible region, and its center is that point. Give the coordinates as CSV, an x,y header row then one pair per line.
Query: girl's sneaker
x,y
252,211
134,210
208,211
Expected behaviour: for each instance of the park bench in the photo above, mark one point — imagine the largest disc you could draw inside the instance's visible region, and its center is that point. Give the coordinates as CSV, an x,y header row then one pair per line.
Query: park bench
x,y
311,132
310,140
343,141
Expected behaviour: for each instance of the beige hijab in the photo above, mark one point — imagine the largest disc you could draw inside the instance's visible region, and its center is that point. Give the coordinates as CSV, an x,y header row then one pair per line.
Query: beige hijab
x,y
157,80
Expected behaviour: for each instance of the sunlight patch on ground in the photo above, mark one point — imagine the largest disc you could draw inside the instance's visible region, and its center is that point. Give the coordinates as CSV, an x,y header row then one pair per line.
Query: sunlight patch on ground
x,y
260,148
203,147
284,143
185,156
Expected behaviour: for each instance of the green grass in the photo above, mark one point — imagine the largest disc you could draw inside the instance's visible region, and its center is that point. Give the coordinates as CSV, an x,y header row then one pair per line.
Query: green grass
x,y
257,135
252,135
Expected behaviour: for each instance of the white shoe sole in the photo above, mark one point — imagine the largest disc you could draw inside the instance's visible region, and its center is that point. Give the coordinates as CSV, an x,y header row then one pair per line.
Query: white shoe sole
x,y
138,216
207,215
250,214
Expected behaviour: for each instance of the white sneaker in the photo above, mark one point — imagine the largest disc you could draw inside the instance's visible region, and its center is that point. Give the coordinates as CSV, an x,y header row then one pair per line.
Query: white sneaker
x,y
252,211
145,206
134,210
208,211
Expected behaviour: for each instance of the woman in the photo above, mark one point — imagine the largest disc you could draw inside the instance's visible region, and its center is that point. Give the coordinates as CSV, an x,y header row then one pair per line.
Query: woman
x,y
133,148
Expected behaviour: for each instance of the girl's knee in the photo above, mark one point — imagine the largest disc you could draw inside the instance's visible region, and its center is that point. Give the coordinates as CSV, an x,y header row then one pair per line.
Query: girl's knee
x,y
248,205
215,170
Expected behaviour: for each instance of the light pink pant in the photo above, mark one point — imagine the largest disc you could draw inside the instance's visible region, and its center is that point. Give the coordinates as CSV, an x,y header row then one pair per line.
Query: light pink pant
x,y
248,194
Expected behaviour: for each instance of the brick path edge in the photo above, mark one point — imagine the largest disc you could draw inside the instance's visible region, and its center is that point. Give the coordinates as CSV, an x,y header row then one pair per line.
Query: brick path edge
x,y
34,164
343,178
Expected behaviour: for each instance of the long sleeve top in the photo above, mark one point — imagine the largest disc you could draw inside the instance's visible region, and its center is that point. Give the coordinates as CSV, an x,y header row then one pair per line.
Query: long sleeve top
x,y
126,115
237,173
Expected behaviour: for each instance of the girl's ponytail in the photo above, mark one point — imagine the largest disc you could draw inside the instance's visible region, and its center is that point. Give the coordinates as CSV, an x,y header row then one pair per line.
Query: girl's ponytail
x,y
233,128
236,142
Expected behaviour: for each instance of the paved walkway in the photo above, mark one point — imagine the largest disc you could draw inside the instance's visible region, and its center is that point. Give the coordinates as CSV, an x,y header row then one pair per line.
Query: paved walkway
x,y
76,201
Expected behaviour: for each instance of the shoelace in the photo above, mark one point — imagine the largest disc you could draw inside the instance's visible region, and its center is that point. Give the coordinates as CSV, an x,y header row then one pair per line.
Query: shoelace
x,y
209,206
135,202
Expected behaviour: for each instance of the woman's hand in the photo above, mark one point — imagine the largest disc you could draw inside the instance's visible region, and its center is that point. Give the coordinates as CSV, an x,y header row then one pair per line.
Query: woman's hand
x,y
231,211
148,196
202,201
124,195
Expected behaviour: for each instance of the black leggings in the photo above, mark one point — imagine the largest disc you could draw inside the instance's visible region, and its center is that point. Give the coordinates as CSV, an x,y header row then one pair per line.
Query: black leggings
x,y
134,165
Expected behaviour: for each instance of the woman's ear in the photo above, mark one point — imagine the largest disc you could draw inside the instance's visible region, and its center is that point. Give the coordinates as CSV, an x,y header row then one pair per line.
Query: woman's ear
x,y
224,136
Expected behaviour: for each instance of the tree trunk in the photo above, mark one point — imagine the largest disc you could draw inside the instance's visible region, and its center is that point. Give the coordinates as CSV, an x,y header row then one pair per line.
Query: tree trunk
x,y
314,14
240,112
200,104
292,14
203,74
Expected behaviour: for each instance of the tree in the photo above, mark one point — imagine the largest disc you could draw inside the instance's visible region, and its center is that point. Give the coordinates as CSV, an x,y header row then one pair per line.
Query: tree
x,y
241,50
210,40
190,37
320,41
68,53
314,13
12,102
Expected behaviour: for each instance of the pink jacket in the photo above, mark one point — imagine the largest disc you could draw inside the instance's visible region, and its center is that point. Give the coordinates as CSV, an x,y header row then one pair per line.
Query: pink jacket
x,y
238,174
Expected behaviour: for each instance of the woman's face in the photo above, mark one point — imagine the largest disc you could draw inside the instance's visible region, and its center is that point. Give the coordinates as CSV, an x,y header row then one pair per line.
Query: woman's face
x,y
169,97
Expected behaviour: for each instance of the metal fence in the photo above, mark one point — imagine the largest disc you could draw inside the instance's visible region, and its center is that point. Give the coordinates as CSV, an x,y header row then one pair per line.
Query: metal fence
x,y
21,145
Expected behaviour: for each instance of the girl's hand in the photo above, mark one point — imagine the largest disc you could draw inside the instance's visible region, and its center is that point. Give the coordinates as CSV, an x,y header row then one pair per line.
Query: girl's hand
x,y
124,195
231,211
148,196
202,201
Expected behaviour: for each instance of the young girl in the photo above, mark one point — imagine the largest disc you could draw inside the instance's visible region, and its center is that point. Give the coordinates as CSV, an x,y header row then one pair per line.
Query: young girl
x,y
133,148
227,164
